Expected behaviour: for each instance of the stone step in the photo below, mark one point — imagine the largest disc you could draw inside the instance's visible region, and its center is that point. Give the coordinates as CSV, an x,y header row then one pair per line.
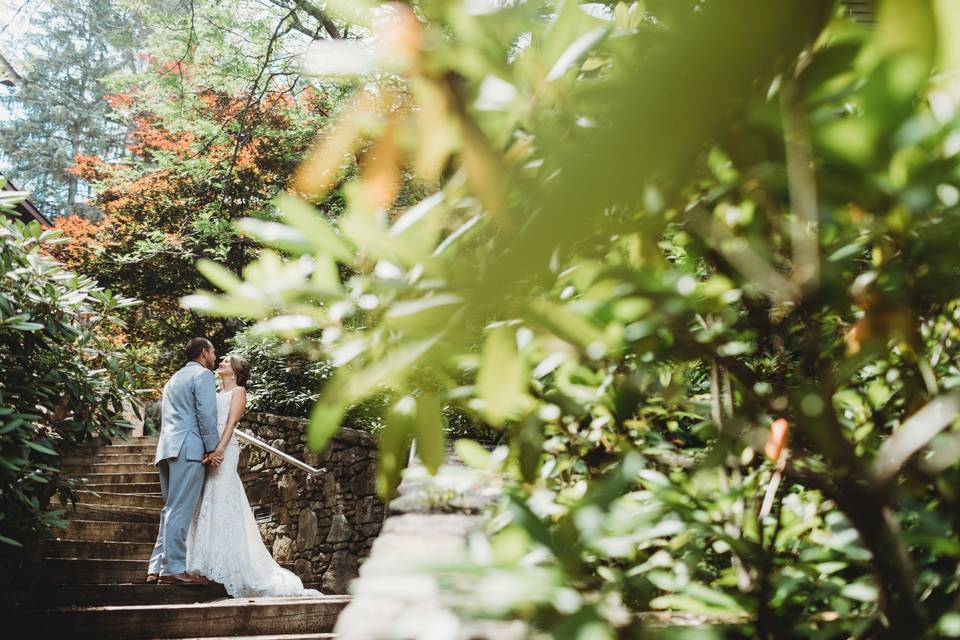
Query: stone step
x,y
110,531
109,499
98,468
120,442
109,457
112,513
120,478
286,636
230,618
113,449
80,570
138,593
152,488
92,571
98,549
135,440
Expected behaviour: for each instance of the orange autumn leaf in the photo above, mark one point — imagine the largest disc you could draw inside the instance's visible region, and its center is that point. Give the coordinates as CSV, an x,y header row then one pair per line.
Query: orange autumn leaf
x,y
177,67
90,167
85,237
147,135
120,100
380,181
777,439
402,36
333,152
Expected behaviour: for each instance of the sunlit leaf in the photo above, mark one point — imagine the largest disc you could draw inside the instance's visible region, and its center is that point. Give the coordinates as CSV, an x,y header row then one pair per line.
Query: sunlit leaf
x,y
569,326
351,385
564,38
472,454
423,314
316,230
915,432
699,599
227,306
431,437
862,591
324,423
274,234
502,379
577,49
218,275
395,439
373,236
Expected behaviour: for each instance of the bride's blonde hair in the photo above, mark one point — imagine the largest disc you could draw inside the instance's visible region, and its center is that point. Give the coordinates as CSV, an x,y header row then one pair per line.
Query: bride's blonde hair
x,y
241,369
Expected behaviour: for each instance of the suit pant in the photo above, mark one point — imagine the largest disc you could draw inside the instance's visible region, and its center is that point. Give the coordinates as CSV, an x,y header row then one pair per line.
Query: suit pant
x,y
181,482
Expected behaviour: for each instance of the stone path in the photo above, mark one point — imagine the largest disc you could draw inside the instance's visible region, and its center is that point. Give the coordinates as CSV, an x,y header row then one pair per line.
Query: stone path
x,y
91,577
430,519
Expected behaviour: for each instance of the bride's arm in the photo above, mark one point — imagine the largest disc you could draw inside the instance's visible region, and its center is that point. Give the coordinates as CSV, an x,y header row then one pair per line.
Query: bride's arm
x,y
238,404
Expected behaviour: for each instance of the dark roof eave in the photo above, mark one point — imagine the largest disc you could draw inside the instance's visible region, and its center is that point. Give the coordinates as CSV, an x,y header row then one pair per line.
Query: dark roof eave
x,y
25,209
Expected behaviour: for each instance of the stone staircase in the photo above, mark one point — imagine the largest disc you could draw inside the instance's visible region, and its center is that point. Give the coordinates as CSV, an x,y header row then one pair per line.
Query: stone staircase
x,y
91,577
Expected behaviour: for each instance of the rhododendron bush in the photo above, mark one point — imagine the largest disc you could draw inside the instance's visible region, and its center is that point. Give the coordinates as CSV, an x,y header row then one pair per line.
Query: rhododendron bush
x,y
696,261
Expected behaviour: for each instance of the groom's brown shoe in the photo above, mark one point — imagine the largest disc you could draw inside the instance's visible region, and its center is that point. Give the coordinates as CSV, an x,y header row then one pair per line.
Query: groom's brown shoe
x,y
152,578
183,579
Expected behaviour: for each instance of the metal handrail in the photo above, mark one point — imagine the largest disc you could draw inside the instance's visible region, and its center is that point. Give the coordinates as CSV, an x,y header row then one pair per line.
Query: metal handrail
x,y
286,457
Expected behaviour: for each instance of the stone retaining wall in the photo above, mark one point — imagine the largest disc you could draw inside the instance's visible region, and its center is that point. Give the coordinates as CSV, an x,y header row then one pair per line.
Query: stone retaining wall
x,y
322,525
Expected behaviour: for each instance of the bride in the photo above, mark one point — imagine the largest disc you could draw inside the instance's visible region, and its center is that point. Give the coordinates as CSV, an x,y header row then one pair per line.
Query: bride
x,y
224,544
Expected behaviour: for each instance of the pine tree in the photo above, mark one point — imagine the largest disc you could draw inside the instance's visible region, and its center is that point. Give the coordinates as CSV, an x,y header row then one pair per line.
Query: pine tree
x,y
60,109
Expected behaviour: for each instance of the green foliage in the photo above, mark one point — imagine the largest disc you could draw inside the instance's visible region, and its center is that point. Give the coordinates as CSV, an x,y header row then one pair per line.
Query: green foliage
x,y
283,380
65,380
656,232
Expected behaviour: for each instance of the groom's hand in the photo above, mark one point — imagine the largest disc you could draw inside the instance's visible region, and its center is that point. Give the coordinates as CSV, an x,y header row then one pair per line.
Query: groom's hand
x,y
213,459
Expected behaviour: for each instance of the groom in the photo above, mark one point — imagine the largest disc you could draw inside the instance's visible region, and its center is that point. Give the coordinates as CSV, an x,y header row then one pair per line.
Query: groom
x,y
188,437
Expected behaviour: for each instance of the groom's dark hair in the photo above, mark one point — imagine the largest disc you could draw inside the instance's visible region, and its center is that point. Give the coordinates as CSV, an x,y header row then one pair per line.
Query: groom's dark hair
x,y
195,347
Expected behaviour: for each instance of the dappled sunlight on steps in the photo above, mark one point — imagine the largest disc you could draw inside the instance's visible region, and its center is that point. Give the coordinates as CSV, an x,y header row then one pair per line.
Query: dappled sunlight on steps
x,y
91,576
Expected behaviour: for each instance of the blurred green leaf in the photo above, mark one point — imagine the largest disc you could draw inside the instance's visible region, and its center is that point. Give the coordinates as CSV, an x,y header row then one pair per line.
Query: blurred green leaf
x,y
472,454
274,234
906,25
324,423
218,275
398,432
431,438
915,433
314,228
502,379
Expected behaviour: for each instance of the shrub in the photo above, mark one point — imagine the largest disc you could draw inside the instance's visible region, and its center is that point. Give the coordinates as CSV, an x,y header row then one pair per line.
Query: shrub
x,y
283,380
66,375
671,234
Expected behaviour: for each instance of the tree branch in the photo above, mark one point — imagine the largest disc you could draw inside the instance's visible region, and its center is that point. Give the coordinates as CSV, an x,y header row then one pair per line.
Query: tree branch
x,y
315,12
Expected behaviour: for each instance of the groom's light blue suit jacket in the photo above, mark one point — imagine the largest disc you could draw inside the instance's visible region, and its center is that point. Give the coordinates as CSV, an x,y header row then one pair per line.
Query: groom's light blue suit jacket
x,y
189,414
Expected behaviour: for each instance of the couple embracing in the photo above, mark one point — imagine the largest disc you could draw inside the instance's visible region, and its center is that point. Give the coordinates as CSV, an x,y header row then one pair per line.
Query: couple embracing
x,y
207,530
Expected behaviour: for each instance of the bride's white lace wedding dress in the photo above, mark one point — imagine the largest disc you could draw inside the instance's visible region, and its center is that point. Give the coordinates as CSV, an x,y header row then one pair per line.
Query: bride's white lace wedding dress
x,y
224,542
